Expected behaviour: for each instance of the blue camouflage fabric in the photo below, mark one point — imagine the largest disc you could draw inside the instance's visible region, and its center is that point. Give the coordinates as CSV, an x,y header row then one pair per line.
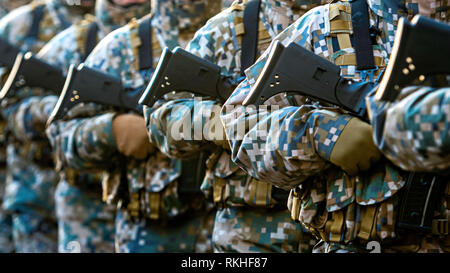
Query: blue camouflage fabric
x,y
250,218
413,132
82,216
30,176
155,219
6,242
7,5
289,143
6,239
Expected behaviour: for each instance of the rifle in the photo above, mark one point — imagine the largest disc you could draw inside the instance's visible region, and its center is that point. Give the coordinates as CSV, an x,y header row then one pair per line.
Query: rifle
x,y
421,49
28,70
294,69
182,71
84,84
8,53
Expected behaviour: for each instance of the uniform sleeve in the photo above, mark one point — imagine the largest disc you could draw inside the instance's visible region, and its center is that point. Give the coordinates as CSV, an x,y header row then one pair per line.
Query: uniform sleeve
x,y
414,131
182,127
279,142
86,143
32,114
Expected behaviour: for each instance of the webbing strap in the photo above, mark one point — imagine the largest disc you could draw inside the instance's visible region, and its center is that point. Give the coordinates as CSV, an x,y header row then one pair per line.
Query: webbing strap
x,y
250,38
145,49
91,39
38,14
363,43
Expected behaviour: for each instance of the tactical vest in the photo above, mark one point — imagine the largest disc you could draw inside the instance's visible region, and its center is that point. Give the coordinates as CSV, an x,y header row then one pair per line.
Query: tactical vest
x,y
139,201
363,209
253,39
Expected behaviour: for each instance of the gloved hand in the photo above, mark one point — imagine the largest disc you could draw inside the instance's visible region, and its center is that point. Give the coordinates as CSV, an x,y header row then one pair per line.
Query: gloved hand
x,y
131,136
354,150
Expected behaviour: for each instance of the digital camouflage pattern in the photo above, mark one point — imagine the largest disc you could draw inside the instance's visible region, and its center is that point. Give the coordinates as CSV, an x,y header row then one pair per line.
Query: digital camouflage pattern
x,y
82,216
242,224
290,147
413,132
85,141
7,5
30,177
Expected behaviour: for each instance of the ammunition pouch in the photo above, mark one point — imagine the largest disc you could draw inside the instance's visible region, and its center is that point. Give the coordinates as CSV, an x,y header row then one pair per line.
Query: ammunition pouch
x,y
257,194
39,152
419,202
360,219
87,182
177,196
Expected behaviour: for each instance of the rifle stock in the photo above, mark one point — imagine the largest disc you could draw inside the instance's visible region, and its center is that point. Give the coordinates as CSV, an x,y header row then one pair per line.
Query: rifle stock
x,y
294,69
8,53
32,72
84,85
181,71
421,49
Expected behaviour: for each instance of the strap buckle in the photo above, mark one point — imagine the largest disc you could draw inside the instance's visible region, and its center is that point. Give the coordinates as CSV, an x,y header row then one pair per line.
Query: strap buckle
x,y
439,227
367,73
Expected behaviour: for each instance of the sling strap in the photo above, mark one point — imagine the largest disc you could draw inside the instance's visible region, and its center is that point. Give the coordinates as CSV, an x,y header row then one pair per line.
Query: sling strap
x,y
363,42
250,38
91,39
37,14
145,50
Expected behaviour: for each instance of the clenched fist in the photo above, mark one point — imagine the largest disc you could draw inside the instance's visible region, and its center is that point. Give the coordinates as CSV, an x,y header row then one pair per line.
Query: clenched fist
x,y
131,136
355,150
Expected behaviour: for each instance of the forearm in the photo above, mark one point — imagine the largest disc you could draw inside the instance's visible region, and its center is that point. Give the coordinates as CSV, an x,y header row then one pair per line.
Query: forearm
x,y
86,143
413,131
181,128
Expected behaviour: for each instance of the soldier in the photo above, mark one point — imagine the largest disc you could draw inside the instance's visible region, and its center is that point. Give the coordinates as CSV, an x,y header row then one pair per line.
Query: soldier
x,y
314,150
6,243
29,165
154,218
251,216
82,217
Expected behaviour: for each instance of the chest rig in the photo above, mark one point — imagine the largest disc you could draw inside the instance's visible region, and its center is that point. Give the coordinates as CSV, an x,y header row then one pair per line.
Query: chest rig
x,y
253,38
414,206
87,37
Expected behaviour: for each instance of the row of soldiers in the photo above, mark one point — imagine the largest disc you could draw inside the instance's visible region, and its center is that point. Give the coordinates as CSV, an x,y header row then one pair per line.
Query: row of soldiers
x,y
109,179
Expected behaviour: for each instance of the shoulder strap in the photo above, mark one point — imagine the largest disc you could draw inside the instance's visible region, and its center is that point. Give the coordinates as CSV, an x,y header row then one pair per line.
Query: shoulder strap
x,y
37,14
145,49
363,42
91,39
249,44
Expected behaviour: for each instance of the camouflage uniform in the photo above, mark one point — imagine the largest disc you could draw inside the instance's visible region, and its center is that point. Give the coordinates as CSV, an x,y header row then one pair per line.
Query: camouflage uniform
x,y
82,217
7,5
414,135
30,175
290,147
249,217
6,240
85,141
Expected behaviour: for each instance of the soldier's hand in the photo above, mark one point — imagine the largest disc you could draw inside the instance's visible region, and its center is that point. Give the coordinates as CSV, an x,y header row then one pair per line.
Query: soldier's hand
x,y
131,136
355,150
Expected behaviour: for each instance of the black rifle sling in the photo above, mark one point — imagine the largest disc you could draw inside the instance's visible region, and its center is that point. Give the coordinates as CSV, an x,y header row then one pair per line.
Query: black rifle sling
x,y
145,50
249,46
363,42
91,39
38,14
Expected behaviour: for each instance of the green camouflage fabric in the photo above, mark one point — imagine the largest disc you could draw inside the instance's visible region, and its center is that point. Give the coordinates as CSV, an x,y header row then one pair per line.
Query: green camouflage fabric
x,y
289,144
82,217
85,141
29,185
241,223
